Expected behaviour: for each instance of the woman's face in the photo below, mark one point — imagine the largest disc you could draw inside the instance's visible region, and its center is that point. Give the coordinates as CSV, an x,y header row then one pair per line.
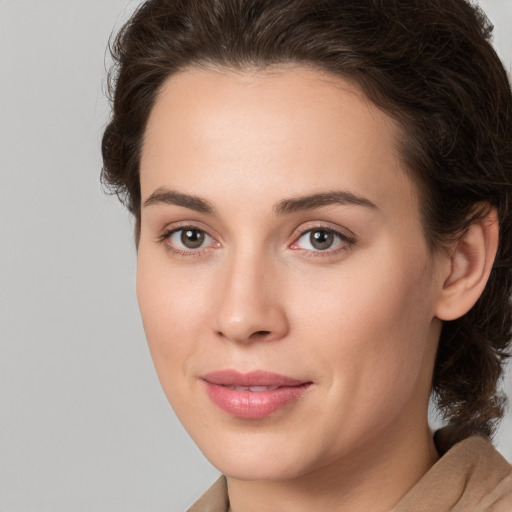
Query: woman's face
x,y
285,285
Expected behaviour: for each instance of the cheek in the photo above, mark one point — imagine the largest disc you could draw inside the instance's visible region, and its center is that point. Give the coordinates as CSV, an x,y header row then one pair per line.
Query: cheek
x,y
371,323
379,293
171,306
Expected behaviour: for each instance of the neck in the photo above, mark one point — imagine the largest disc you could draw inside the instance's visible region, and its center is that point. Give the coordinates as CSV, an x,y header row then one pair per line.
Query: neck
x,y
371,479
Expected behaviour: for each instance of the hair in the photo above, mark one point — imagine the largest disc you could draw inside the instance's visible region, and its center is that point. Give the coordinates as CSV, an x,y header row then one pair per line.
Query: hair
x,y
428,64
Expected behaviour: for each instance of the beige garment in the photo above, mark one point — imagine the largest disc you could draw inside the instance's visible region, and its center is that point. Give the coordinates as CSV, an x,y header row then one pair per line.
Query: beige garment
x,y
471,477
215,499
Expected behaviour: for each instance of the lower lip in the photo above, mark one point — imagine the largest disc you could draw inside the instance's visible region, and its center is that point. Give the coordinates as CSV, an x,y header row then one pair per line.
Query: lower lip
x,y
253,404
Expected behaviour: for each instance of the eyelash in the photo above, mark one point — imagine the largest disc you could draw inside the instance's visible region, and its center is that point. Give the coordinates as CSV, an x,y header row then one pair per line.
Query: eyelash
x,y
347,242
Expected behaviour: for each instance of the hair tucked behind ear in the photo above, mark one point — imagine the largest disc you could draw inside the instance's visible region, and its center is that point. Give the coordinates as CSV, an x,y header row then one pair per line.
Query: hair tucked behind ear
x,y
427,63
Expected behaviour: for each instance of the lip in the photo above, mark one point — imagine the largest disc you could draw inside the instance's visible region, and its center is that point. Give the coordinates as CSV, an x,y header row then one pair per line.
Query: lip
x,y
222,387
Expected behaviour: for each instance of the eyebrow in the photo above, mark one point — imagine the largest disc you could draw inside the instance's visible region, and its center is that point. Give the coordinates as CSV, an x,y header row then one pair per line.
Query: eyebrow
x,y
323,199
165,196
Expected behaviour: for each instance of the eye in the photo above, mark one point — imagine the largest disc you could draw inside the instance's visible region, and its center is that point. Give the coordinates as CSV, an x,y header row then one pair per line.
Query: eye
x,y
190,238
187,239
322,240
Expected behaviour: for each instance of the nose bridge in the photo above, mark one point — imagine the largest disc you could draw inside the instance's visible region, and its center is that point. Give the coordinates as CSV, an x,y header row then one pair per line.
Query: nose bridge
x,y
250,305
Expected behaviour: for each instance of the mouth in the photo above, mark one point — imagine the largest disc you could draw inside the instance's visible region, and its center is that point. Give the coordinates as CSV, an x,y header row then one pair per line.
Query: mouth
x,y
253,388
255,394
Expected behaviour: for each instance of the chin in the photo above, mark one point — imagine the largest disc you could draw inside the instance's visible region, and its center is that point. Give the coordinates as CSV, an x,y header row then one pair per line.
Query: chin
x,y
269,458
256,468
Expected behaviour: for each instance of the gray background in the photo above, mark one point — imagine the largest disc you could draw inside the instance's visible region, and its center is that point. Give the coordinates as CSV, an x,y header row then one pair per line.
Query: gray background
x,y
84,425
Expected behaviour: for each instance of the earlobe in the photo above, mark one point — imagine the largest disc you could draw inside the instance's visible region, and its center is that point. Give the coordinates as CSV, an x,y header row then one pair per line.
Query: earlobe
x,y
471,262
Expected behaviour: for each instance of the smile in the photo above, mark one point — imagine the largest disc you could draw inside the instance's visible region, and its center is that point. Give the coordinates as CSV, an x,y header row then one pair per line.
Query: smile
x,y
252,395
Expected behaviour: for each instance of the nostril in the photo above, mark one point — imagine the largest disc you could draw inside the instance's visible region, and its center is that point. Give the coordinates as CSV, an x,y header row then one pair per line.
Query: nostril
x,y
259,334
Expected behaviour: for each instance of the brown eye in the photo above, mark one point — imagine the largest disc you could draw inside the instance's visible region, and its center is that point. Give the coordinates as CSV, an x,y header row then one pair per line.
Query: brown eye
x,y
321,239
188,238
192,238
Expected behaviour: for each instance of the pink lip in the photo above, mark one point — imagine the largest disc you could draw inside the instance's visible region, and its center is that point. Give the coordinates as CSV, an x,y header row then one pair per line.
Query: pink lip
x,y
252,404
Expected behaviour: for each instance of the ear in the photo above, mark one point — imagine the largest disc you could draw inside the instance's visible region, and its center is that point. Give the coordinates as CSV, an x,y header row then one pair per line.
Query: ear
x,y
471,261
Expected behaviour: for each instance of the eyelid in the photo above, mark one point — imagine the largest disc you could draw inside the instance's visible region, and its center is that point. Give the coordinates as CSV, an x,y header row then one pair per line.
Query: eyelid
x,y
344,232
183,224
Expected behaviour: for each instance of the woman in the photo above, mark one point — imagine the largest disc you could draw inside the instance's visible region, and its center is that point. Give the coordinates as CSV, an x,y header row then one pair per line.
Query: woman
x,y
322,193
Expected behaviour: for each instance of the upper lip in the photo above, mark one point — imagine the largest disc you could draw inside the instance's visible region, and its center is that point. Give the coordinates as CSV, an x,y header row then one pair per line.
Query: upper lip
x,y
255,378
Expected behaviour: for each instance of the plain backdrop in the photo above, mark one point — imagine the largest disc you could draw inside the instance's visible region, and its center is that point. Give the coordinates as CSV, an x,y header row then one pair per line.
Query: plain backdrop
x,y
84,426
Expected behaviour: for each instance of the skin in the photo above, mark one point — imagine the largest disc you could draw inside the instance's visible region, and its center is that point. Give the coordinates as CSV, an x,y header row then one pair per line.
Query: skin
x,y
360,320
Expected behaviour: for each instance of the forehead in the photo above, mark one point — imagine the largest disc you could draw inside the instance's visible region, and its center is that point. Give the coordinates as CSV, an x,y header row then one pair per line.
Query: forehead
x,y
264,130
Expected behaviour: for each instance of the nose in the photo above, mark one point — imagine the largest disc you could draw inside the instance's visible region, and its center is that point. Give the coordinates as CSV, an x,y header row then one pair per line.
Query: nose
x,y
251,306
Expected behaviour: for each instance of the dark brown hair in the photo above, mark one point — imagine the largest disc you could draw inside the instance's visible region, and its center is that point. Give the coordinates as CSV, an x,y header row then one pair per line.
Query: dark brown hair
x,y
427,63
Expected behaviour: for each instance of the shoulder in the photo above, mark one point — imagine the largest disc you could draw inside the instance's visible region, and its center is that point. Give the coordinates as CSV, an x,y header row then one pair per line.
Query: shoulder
x,y
472,476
